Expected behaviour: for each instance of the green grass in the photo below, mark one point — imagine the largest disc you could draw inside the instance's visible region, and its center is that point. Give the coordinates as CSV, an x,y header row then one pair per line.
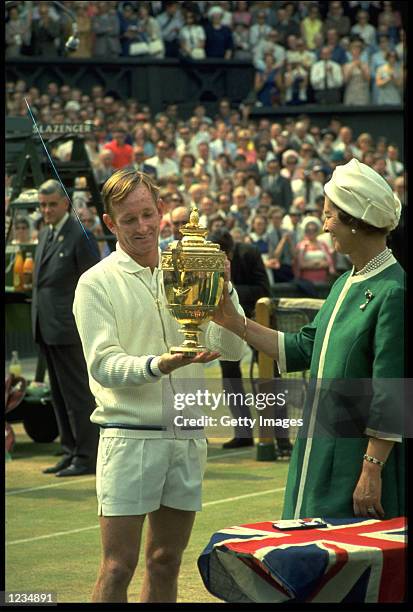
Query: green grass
x,y
67,564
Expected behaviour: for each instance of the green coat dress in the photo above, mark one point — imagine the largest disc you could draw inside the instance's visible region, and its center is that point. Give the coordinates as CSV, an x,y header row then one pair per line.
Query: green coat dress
x,y
342,344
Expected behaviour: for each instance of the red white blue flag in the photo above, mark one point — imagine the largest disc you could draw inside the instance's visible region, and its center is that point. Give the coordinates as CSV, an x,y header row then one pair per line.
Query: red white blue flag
x,y
349,560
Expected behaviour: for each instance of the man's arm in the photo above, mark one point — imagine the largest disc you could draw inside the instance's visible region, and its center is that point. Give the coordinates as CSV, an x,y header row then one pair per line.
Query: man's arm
x,y
107,362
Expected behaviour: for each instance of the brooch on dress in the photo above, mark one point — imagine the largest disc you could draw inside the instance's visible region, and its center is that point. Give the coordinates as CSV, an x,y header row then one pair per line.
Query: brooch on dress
x,y
369,296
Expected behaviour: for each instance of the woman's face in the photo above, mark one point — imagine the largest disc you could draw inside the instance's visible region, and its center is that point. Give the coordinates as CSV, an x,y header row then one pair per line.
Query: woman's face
x,y
341,235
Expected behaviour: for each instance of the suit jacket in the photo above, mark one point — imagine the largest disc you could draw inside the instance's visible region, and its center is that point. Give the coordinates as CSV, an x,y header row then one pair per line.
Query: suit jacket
x,y
280,190
249,276
55,279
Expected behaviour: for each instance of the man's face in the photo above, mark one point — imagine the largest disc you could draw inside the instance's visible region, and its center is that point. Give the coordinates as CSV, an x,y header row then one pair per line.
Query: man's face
x,y
52,207
120,138
135,223
179,217
161,150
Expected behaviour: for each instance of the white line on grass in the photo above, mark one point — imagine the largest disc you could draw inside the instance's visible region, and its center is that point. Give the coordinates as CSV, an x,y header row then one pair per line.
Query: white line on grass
x,y
211,503
72,481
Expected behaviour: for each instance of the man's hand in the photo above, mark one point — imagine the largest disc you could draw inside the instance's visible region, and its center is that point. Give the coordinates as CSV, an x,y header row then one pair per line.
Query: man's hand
x,y
167,362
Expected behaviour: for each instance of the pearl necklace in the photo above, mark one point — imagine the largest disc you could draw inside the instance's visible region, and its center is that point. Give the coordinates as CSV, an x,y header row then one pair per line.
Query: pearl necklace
x,y
376,262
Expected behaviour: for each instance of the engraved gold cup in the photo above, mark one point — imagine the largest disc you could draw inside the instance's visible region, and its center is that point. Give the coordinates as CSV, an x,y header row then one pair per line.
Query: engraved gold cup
x,y
193,274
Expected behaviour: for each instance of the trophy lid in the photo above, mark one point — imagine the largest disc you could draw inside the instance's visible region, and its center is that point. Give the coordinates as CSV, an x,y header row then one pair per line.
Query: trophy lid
x,y
192,230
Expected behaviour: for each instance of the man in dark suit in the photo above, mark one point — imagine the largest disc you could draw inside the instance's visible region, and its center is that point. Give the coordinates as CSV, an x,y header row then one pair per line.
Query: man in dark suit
x,y
139,163
250,279
278,186
64,252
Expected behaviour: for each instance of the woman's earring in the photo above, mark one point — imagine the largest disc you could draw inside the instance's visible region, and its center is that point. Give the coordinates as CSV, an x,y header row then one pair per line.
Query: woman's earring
x,y
353,231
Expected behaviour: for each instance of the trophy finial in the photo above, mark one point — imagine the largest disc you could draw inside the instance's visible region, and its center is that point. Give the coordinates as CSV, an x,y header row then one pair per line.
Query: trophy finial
x,y
194,216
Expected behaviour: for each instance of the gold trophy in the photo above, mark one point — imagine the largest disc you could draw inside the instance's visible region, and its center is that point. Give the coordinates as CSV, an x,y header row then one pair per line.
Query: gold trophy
x,y
193,274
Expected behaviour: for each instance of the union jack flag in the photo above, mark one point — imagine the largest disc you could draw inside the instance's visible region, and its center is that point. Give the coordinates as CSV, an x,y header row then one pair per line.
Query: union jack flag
x,y
349,560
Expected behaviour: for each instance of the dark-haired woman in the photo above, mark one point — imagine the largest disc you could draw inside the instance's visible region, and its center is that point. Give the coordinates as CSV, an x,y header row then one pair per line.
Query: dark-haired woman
x,y
351,460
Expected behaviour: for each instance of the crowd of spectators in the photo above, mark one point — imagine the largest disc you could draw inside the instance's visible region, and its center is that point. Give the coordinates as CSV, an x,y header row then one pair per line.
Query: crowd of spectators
x,y
322,52
262,179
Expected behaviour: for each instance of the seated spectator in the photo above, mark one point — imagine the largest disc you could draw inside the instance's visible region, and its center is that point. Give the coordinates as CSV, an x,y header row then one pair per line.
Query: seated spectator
x,y
264,153
178,217
309,186
18,31
389,81
281,248
258,235
345,143
394,166
364,29
161,162
278,186
268,83
122,152
192,37
221,143
295,84
356,77
364,144
223,204
170,22
21,231
207,208
246,148
290,160
314,261
187,162
292,222
253,190
104,167
338,53
215,222
106,29
310,26
336,19
204,162
326,79
138,162
222,168
219,41
238,235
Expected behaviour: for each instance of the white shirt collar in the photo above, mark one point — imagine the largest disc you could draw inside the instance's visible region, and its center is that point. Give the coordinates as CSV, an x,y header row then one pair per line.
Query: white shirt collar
x,y
128,264
60,224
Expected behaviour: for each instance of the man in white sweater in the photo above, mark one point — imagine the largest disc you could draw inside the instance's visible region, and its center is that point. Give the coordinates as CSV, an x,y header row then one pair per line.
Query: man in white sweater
x,y
143,467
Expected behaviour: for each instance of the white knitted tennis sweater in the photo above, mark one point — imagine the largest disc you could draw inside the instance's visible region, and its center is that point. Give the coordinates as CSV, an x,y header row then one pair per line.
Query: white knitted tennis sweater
x,y
121,326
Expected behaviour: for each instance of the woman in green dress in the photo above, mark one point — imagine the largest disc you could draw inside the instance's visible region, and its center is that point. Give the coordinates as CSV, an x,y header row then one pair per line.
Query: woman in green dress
x,y
351,460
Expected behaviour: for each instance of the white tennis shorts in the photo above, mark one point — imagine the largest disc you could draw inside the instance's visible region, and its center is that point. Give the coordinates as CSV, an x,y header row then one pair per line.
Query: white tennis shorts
x,y
137,476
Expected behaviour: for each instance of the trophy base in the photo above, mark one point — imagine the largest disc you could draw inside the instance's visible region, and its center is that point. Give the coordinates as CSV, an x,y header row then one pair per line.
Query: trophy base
x,y
189,351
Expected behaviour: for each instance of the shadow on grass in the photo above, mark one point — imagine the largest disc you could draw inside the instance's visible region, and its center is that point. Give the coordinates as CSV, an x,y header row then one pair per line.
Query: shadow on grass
x,y
64,495
214,475
23,450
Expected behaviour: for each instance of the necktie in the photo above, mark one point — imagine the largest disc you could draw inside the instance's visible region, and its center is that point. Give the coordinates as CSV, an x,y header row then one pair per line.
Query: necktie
x,y
49,241
325,75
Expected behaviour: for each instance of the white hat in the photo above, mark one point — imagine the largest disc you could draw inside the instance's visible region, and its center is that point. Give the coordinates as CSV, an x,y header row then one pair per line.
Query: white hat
x,y
215,10
361,192
72,105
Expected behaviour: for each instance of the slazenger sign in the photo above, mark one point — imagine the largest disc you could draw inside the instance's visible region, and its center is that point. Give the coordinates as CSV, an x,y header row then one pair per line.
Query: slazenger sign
x,y
48,129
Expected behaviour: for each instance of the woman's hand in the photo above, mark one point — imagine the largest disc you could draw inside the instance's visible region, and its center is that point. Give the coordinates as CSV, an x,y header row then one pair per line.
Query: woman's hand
x,y
225,312
367,494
